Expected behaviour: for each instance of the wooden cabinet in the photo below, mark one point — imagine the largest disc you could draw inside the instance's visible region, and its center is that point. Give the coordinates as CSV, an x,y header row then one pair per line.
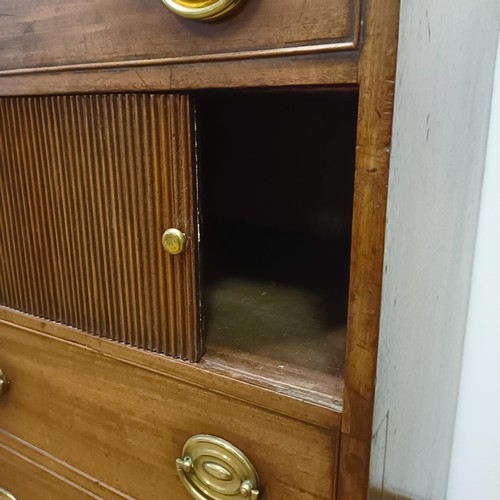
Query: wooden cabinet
x,y
264,138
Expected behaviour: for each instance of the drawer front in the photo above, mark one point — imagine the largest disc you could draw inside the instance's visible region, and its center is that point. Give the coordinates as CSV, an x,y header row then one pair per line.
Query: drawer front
x,y
27,480
50,33
125,425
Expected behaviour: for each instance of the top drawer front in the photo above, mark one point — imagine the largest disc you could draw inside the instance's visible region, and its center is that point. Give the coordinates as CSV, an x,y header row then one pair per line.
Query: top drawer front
x,y
54,33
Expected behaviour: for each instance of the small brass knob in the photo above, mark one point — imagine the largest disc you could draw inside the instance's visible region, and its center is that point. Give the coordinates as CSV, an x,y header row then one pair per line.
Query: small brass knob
x,y
4,384
173,241
201,10
184,464
248,491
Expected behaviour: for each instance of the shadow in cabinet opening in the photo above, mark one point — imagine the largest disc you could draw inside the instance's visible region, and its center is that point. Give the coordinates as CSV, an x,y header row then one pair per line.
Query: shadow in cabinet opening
x,y
276,190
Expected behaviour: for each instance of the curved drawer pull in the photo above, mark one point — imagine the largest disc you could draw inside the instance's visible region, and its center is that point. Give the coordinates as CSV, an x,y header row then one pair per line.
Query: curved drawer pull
x,y
4,385
6,495
202,10
213,469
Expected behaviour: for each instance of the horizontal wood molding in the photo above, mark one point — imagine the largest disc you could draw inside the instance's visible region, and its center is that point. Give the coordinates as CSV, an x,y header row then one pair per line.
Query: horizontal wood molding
x,y
338,68
26,479
89,184
208,375
202,58
51,469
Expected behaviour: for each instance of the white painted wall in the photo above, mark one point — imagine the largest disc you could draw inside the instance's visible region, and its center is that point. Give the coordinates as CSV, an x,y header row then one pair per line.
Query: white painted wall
x,y
443,93
475,464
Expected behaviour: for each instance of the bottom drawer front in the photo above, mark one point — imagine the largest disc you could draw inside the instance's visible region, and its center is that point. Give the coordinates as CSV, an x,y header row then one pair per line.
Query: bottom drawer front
x,y
126,425
27,480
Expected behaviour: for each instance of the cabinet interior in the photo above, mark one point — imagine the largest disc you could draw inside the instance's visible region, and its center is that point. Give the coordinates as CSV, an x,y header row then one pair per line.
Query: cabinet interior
x,y
276,175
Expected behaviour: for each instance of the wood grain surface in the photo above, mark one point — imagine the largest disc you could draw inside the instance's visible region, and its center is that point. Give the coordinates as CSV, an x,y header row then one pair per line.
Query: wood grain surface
x,y
83,34
26,479
321,69
376,98
33,473
89,184
126,425
213,373
121,414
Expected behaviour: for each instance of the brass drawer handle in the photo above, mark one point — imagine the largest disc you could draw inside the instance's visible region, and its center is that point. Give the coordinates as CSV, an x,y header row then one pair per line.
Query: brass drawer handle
x,y
4,386
6,495
213,469
201,10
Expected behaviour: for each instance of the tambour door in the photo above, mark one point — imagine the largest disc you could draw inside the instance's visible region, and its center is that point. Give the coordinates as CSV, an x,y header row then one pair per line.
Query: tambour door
x,y
89,185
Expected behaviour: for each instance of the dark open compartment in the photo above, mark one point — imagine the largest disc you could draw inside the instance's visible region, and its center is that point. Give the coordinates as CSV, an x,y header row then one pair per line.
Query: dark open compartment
x,y
276,186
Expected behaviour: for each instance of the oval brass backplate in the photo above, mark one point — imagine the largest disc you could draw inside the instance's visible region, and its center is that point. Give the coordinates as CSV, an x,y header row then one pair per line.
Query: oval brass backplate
x,y
6,495
202,10
213,469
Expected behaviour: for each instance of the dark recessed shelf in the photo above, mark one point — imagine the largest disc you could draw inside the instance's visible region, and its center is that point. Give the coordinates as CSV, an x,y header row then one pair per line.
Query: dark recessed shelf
x,y
277,174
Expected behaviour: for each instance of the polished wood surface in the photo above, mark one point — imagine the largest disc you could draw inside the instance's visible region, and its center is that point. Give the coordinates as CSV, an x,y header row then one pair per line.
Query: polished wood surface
x,y
125,425
341,68
376,74
89,184
27,479
83,34
121,414
23,458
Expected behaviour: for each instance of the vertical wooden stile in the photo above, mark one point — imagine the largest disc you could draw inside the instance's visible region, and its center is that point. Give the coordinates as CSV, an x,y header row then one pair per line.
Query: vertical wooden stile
x,y
377,70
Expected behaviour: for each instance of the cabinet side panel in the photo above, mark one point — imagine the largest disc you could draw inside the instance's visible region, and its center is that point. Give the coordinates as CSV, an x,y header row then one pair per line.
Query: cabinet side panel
x,y
88,185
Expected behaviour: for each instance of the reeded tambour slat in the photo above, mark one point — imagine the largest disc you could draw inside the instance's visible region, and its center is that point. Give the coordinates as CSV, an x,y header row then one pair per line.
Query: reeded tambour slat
x,y
88,186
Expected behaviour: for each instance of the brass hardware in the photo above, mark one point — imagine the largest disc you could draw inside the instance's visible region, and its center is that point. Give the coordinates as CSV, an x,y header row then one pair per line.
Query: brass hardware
x,y
4,384
248,491
173,241
201,10
184,464
213,469
6,495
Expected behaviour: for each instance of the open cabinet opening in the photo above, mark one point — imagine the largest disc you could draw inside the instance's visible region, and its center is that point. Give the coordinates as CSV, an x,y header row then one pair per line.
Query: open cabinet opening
x,y
276,190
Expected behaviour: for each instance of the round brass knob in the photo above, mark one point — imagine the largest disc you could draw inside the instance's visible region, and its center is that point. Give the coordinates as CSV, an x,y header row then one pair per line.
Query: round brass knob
x,y
4,384
202,10
173,241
